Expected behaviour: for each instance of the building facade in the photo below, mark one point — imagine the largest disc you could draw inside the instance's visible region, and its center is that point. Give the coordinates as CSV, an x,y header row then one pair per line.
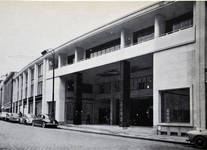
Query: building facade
x,y
6,92
145,69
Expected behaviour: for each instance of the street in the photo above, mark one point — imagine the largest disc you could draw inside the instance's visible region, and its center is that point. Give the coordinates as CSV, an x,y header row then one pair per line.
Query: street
x,y
15,136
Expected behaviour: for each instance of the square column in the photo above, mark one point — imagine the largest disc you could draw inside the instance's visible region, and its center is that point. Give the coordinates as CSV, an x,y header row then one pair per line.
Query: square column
x,y
125,94
35,87
44,102
78,98
160,25
200,46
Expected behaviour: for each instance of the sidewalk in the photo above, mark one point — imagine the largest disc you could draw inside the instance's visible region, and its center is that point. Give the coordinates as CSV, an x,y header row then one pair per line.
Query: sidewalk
x,y
147,133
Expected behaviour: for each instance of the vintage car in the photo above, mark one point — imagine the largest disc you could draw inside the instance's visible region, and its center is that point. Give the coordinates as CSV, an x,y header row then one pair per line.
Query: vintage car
x,y
3,115
44,120
198,138
27,118
13,117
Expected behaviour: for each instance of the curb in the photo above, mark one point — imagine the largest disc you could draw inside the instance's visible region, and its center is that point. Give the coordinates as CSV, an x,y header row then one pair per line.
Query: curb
x,y
126,136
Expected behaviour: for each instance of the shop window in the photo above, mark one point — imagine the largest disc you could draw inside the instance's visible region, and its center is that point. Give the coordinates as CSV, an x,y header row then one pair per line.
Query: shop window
x,y
175,106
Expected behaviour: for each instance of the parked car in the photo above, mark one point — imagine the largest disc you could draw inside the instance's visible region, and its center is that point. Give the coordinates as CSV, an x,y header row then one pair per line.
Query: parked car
x,y
27,118
44,120
198,138
3,115
7,116
14,117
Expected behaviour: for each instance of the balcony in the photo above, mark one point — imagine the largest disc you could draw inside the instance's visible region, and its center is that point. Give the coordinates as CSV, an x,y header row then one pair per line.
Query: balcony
x,y
146,46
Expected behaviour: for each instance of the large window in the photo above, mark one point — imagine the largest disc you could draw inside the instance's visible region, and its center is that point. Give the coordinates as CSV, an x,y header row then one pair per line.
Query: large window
x,y
175,106
180,22
143,35
103,48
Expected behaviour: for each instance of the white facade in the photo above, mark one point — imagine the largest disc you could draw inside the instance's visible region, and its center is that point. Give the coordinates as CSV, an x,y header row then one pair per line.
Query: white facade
x,y
176,60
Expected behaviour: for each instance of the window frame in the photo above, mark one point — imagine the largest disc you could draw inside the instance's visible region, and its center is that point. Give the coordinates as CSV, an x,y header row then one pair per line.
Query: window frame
x,y
190,124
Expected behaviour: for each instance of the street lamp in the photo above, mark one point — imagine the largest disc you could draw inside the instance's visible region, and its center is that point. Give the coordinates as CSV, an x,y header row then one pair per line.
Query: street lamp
x,y
53,80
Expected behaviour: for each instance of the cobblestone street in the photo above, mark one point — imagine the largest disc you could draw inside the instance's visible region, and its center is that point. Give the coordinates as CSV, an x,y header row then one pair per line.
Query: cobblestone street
x,y
21,137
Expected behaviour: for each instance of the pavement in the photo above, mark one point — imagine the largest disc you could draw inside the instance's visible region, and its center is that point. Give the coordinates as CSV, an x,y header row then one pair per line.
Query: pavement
x,y
145,133
14,136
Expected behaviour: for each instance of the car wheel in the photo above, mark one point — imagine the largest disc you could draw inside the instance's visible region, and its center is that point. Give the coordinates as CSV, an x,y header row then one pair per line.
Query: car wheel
x,y
43,124
200,142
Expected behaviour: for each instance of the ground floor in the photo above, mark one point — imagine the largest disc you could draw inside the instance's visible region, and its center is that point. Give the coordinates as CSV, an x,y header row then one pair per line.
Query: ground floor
x,y
157,90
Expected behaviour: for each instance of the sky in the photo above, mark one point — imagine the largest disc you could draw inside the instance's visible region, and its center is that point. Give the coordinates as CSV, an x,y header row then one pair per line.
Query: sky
x,y
29,27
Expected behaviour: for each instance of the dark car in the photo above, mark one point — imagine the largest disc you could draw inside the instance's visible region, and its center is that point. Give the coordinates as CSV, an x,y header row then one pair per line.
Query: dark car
x,y
27,118
198,138
44,120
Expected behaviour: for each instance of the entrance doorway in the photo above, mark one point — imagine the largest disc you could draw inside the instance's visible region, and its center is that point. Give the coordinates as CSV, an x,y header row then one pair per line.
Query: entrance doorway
x,y
142,112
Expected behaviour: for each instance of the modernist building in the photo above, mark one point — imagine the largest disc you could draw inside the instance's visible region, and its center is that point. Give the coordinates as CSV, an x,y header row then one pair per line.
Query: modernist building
x,y
146,69
6,92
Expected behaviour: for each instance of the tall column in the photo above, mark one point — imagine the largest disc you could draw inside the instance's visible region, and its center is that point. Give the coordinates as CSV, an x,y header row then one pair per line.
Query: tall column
x,y
23,85
28,87
200,102
60,99
20,92
125,94
160,25
44,102
17,97
78,98
35,86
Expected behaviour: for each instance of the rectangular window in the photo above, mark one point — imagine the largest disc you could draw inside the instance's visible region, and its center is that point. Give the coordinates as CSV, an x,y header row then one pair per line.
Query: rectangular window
x,y
39,88
175,106
32,74
71,59
40,70
103,48
180,22
32,90
143,35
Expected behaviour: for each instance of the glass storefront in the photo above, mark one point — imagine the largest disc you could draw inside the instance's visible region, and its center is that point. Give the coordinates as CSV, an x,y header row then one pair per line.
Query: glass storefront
x,y
175,106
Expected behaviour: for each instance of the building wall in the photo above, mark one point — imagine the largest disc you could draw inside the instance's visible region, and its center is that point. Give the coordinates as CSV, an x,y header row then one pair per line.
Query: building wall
x,y
173,69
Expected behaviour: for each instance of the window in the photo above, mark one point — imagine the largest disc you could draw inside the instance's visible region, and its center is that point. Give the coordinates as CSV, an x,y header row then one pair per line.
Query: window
x,y
175,106
40,70
32,89
71,59
183,21
143,35
32,74
103,48
39,88
144,82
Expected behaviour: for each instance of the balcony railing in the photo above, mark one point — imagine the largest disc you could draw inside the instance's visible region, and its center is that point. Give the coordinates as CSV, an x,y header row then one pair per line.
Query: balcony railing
x,y
183,28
